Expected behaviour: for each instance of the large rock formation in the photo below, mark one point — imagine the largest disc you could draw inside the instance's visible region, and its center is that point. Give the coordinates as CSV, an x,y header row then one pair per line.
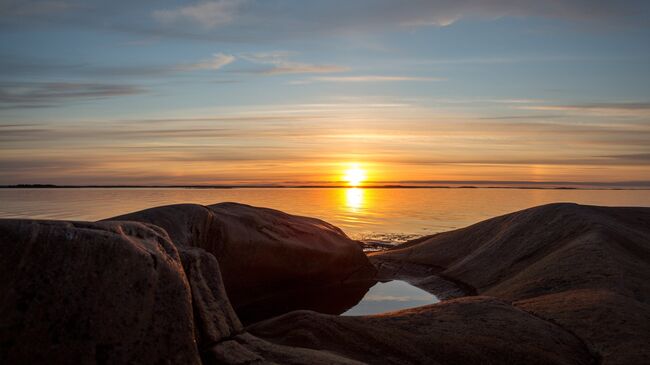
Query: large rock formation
x,y
104,293
472,330
585,268
558,284
120,293
265,255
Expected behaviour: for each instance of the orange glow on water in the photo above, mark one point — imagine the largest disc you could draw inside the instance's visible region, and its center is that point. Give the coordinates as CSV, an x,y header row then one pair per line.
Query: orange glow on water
x,y
354,198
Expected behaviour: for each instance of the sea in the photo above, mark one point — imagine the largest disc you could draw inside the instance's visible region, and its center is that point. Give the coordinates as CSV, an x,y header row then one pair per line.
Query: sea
x,y
383,214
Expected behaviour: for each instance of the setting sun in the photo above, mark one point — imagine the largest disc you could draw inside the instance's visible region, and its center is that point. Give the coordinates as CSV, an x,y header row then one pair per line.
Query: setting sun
x,y
354,176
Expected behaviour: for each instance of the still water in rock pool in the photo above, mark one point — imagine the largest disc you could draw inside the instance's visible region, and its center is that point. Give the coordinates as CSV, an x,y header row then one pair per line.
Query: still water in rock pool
x,y
351,299
391,296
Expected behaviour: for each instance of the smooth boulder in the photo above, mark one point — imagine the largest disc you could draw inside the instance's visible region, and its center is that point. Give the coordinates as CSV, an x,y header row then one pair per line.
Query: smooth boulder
x,y
586,268
264,254
121,293
92,293
472,330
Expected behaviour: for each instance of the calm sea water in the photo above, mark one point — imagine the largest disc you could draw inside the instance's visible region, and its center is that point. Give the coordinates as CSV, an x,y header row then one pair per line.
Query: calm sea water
x,y
389,214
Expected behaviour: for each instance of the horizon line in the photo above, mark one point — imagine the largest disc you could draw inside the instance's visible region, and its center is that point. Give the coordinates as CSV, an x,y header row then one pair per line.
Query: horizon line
x,y
411,184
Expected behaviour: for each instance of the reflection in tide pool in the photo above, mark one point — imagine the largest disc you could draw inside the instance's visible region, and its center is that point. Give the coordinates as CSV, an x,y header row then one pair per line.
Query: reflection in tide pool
x,y
391,296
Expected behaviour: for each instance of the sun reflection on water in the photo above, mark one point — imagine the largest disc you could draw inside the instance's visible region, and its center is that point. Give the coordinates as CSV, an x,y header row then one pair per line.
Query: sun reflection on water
x,y
354,198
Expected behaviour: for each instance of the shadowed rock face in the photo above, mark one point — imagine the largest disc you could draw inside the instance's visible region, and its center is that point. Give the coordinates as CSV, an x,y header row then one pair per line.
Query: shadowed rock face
x,y
214,317
473,330
559,284
120,293
264,253
330,299
248,349
105,293
617,326
586,268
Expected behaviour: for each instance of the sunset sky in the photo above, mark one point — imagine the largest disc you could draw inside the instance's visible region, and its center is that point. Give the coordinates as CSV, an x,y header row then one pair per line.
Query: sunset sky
x,y
296,92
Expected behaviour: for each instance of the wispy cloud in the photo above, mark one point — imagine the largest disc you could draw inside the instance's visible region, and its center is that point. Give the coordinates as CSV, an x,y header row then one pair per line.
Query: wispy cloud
x,y
278,62
45,94
11,66
299,18
245,20
368,78
19,8
302,68
633,157
605,109
217,61
397,137
264,63
208,14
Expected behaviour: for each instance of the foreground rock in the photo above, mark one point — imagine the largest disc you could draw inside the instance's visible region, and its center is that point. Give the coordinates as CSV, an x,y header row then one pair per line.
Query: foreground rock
x,y
266,255
474,330
87,293
120,293
585,268
556,284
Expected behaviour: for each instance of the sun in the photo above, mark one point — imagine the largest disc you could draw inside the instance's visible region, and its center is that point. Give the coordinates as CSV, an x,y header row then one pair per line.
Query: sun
x,y
354,175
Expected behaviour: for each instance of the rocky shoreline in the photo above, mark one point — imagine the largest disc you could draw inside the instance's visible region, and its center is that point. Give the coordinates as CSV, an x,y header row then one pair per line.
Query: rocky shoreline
x,y
228,284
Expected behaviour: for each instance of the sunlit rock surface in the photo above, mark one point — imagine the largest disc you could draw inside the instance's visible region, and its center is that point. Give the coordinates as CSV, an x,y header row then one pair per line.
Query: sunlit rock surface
x,y
265,255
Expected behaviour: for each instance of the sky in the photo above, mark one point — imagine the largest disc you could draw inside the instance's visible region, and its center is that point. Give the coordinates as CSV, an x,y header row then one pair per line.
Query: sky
x,y
296,92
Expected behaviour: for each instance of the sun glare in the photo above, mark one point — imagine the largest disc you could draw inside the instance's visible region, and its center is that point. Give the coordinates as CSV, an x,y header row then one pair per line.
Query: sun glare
x,y
355,175
354,199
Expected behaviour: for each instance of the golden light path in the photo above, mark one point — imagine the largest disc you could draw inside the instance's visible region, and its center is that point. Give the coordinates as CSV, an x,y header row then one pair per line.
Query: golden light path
x,y
354,198
354,176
